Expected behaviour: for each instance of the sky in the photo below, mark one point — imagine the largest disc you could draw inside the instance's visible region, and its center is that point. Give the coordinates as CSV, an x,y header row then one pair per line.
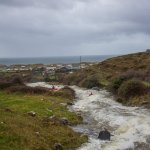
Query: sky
x,y
35,28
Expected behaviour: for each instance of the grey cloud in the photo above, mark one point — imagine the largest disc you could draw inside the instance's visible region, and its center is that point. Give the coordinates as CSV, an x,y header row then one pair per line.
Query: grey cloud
x,y
73,27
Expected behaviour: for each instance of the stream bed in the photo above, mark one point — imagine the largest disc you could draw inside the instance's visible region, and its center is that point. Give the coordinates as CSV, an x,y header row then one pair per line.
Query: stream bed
x,y
130,126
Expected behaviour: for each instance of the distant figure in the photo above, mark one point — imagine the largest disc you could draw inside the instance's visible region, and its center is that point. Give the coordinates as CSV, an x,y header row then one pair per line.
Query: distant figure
x,y
53,87
90,94
104,135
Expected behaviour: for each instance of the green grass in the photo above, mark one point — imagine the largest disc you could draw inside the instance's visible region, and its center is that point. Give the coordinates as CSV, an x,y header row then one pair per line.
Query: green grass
x,y
18,130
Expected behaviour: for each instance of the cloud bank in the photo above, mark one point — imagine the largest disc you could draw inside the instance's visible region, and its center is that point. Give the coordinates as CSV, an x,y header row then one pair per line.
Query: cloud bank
x,y
73,27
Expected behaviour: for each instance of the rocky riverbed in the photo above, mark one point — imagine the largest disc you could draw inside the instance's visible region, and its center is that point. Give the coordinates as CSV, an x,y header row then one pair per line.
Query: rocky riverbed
x,y
130,126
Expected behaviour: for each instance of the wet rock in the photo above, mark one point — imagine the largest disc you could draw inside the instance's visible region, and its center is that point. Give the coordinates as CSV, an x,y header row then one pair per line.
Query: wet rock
x,y
145,103
58,146
8,110
63,104
37,133
52,117
31,113
69,103
84,135
64,121
96,88
104,135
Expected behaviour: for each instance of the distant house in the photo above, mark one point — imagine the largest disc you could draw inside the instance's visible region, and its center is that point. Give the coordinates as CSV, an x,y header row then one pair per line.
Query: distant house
x,y
64,69
50,69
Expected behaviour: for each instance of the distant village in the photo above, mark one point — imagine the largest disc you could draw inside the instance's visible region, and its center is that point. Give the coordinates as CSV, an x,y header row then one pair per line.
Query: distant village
x,y
51,68
41,71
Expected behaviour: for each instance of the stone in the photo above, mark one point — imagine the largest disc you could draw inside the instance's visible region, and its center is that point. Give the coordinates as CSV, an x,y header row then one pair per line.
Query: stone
x,y
63,104
52,117
58,146
8,110
145,103
64,121
96,88
37,133
32,113
104,135
69,103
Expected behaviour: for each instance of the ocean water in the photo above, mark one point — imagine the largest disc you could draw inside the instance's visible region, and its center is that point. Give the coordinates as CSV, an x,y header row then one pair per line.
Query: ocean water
x,y
54,60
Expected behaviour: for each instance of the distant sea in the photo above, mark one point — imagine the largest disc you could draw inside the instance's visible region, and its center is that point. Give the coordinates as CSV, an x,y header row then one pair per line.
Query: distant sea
x,y
53,60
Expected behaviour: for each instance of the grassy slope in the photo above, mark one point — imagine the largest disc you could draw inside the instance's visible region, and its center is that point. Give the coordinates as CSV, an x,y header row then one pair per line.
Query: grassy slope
x,y
19,131
117,65
113,67
107,70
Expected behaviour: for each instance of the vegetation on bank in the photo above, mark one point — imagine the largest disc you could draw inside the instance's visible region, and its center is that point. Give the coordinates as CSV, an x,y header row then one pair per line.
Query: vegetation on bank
x,y
127,77
36,118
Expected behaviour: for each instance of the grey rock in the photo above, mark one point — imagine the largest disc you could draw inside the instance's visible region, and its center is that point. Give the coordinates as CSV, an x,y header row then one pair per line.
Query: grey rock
x,y
69,103
96,88
64,121
58,146
32,113
104,135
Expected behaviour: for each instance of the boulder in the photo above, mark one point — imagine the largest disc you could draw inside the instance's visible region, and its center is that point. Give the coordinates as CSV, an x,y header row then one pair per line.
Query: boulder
x,y
96,88
104,135
8,110
58,146
145,103
69,103
31,113
64,121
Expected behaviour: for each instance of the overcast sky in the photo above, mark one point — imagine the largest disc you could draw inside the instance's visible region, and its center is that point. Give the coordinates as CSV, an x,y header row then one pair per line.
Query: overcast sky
x,y
73,27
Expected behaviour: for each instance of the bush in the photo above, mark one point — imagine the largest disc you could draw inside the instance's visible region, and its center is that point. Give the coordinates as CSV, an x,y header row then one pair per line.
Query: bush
x,y
17,80
90,82
69,91
116,83
131,88
133,74
4,85
27,90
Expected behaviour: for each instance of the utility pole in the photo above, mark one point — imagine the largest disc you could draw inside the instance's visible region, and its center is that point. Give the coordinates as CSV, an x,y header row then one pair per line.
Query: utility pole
x,y
80,62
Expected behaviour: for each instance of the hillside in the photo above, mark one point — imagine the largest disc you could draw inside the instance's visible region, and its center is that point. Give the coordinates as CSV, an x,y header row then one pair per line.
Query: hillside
x,y
129,67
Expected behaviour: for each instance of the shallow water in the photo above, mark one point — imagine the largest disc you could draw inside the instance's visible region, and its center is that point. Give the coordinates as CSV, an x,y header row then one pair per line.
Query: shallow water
x,y
129,125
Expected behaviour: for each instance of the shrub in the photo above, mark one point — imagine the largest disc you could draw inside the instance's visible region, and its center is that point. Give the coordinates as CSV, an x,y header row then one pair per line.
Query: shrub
x,y
116,83
131,88
27,90
140,75
90,82
4,85
71,92
17,80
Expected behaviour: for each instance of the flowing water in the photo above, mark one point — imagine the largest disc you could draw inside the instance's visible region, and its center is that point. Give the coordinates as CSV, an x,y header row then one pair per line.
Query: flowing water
x,y
130,126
